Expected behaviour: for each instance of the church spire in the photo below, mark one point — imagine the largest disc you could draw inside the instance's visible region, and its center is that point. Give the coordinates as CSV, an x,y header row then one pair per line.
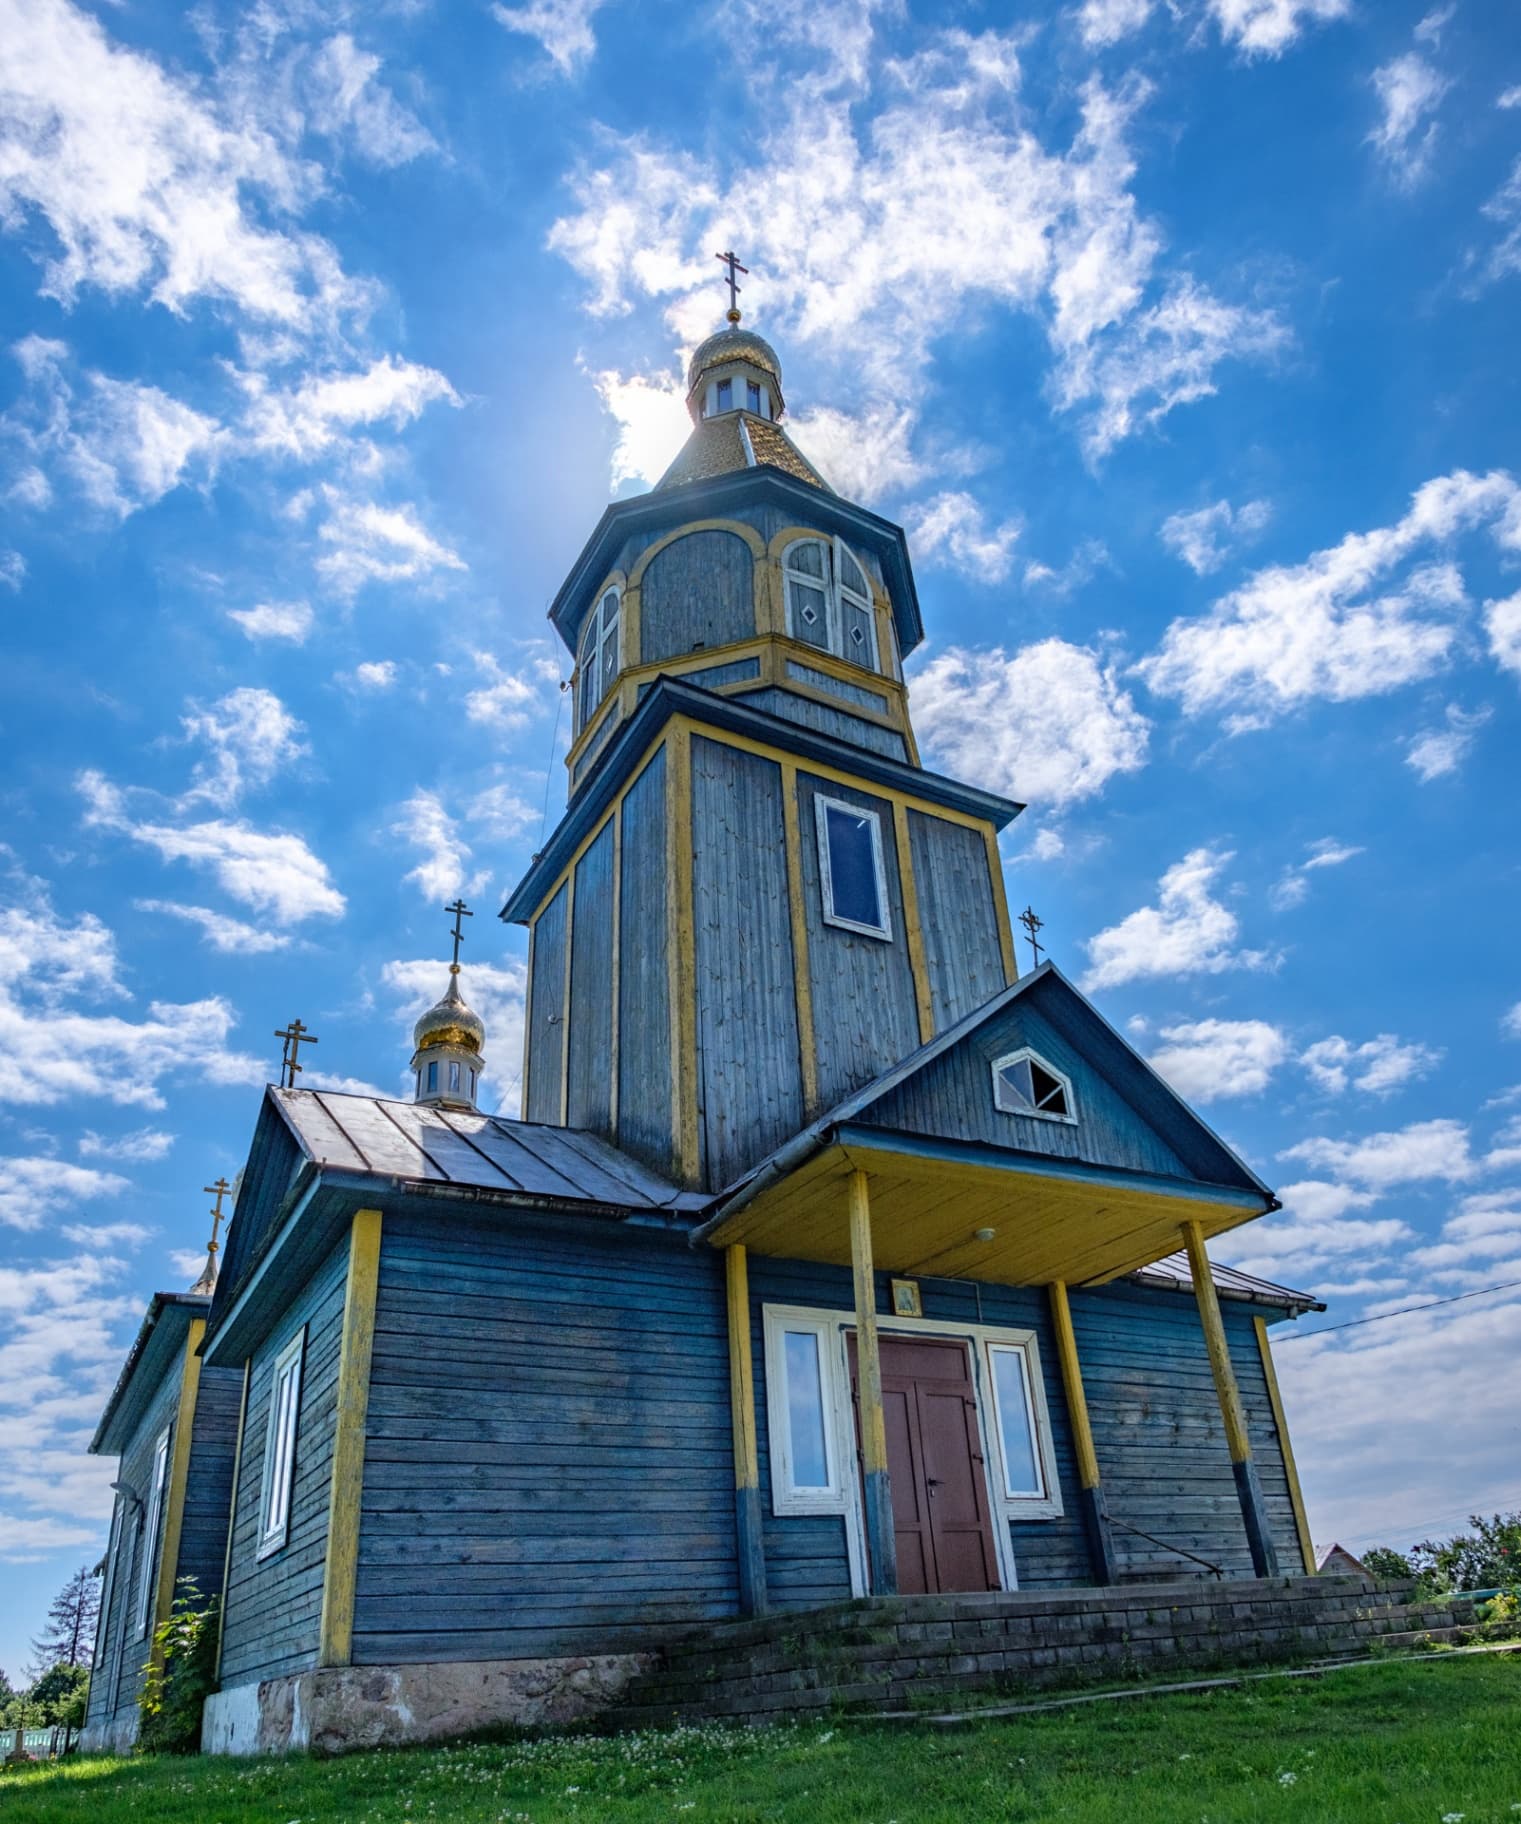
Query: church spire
x,y
207,1283
448,1039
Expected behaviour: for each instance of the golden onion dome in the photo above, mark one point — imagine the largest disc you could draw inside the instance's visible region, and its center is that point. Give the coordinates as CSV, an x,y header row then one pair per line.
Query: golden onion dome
x,y
735,344
450,1022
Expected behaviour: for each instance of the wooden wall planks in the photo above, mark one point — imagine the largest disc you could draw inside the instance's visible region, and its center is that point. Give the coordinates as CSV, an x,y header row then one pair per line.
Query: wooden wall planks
x,y
591,990
644,1001
542,1094
699,591
956,915
827,720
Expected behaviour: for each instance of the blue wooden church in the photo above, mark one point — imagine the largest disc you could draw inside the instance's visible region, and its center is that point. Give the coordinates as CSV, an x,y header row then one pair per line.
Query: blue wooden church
x,y
832,1256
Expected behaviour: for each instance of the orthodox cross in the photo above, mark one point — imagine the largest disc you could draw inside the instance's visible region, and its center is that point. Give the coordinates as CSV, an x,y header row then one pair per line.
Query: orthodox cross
x,y
1032,924
295,1036
460,910
731,260
219,1190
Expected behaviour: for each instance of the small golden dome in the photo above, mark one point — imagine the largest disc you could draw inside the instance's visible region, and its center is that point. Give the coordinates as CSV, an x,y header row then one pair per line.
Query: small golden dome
x,y
450,1022
735,344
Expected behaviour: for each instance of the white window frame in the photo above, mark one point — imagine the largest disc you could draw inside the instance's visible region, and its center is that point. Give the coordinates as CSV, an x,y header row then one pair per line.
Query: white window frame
x,y
831,585
108,1582
1018,1497
1033,1114
822,805
151,1519
602,624
277,1483
844,1496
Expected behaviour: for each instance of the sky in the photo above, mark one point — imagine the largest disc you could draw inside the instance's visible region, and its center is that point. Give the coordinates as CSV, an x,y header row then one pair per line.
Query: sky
x,y
1179,336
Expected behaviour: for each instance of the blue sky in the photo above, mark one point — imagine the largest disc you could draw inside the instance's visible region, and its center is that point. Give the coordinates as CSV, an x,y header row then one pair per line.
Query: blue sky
x,y
1181,337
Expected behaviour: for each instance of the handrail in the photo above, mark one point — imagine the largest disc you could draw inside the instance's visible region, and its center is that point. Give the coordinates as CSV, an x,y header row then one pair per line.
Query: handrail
x,y
1167,1546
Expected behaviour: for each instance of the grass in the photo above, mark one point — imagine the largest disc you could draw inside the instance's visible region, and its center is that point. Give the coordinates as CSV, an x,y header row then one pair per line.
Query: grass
x,y
1393,1743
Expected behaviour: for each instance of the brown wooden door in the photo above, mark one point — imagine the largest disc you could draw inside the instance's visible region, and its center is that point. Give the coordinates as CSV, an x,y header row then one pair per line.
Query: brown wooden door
x,y
935,1466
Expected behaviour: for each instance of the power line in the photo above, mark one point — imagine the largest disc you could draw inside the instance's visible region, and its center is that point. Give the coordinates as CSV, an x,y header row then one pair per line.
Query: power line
x,y
1299,1336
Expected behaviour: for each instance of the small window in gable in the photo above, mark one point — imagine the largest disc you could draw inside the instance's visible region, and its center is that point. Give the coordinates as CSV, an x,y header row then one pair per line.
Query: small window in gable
x,y
829,600
852,877
1024,1084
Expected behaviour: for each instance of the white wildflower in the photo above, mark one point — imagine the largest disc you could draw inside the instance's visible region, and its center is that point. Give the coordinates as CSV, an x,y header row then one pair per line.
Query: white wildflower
x,y
1288,1777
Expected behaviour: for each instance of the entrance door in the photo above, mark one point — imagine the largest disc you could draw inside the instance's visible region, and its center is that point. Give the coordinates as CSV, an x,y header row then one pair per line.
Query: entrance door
x,y
935,1466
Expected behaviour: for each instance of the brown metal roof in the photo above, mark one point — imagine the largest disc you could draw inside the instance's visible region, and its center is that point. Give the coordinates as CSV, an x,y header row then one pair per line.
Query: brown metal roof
x,y
717,447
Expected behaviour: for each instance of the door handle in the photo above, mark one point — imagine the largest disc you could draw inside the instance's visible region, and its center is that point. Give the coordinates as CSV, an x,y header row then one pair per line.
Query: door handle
x,y
932,1483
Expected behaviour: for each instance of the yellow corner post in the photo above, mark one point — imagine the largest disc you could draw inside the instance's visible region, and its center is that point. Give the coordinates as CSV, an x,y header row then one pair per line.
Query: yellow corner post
x,y
346,1491
881,1537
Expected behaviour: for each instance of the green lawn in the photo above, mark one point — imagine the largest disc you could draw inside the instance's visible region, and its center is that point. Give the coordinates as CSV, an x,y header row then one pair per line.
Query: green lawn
x,y
1396,1742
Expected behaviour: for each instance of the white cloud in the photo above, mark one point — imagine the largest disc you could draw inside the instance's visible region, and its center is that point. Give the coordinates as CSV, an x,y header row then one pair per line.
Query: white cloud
x,y
32,1190
1049,722
273,873
1377,1067
1205,538
562,27
508,699
427,826
1408,1155
230,936
1502,622
501,813
1504,1154
370,543
867,455
140,1147
1340,625
1266,28
251,735
1435,752
954,527
1187,932
495,991
1104,22
1089,557
275,621
344,100
1510,1025
1293,884
12,569
1509,98
1502,260
308,420
651,415
1208,1060
1320,1224
1409,90
107,1234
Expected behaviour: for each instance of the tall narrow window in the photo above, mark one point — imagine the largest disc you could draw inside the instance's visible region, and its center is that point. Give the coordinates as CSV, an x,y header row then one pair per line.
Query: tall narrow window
x,y
851,872
753,395
829,602
280,1446
807,1433
808,585
809,1466
724,396
151,1523
433,1078
597,659
1023,1477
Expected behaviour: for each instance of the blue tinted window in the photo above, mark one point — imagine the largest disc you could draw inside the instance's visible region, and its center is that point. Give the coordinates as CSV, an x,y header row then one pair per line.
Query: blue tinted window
x,y
805,1411
432,1078
1020,1467
855,891
753,394
725,395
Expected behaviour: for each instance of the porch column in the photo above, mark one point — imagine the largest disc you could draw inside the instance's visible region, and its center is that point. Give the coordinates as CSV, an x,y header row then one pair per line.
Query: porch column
x,y
1095,1513
881,1540
346,1490
1248,1488
747,1508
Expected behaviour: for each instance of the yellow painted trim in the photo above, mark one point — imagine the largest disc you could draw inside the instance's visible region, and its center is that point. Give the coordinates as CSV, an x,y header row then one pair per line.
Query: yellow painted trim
x,y
913,930
610,708
179,1475
802,977
682,950
630,626
1072,1381
533,930
346,1490
1001,906
1226,1389
741,1369
570,951
232,1514
868,1354
1290,1469
547,896
615,1075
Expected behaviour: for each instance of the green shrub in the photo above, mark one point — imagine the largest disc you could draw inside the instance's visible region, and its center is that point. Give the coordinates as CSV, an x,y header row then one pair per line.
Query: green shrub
x,y
180,1675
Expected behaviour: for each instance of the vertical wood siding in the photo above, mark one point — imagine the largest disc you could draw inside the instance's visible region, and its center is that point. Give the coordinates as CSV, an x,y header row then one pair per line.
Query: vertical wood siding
x,y
208,1489
274,1605
644,1011
549,1460
828,721
697,592
591,990
541,1100
953,1098
604,734
749,1067
956,914
864,1013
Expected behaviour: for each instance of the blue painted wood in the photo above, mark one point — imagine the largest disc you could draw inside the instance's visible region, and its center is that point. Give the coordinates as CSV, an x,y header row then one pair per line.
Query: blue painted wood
x,y
546,1028
826,720
697,592
590,1103
644,999
956,915
208,1482
274,1605
710,677
749,1069
587,758
554,1473
847,692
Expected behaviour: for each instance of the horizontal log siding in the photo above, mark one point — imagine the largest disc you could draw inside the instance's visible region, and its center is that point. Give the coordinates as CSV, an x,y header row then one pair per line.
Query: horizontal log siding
x,y
548,1467
1158,1433
546,1021
807,713
956,914
591,990
750,1093
274,1605
952,1098
644,990
208,1488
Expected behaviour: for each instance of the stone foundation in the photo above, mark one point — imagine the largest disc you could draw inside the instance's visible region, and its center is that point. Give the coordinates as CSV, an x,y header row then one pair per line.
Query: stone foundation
x,y
345,1707
118,1736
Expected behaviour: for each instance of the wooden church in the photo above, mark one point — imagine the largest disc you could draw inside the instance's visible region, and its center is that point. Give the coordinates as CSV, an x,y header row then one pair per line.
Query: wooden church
x,y
831,1257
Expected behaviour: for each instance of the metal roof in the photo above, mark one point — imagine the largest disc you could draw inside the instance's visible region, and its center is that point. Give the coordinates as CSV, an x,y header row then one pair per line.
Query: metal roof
x,y
1172,1275
163,1330
415,1144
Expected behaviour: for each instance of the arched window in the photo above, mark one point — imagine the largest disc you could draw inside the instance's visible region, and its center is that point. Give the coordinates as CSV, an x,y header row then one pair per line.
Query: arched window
x,y
597,661
829,600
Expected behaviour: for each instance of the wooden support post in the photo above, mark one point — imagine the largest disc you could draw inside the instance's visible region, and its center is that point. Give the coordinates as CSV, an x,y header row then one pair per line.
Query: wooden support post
x,y
1248,1488
747,1508
345,1494
881,1538
179,1476
1291,1472
1095,1513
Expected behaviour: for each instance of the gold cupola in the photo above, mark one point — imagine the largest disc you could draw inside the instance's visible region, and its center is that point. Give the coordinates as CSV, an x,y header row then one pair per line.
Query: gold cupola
x,y
449,1041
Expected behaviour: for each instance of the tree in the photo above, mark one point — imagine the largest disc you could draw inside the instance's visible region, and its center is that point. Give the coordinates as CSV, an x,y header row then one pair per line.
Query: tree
x,y
56,1693
1488,1558
69,1637
1382,1561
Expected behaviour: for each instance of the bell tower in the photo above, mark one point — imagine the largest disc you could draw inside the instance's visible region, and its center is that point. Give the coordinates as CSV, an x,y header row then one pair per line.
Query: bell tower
x,y
757,899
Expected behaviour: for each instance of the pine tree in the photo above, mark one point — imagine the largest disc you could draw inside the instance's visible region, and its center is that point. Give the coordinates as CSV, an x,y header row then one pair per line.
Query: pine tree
x,y
69,1637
